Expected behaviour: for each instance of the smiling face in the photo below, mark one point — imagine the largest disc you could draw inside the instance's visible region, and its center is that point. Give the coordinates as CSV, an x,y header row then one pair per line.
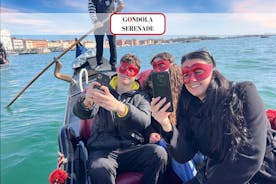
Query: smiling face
x,y
197,75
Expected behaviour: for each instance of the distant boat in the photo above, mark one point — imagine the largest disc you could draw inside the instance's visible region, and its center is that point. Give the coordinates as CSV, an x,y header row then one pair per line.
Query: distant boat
x,y
27,52
3,63
264,36
43,51
3,60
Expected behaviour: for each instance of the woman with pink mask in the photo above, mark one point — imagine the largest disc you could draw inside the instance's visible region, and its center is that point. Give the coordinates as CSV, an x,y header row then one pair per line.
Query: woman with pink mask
x,y
224,120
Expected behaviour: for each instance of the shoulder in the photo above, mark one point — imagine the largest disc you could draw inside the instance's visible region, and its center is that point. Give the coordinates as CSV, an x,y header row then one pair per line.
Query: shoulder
x,y
246,89
245,85
253,103
141,95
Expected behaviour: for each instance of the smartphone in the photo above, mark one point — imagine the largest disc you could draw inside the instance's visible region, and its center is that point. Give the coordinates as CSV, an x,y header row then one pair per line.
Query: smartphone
x,y
162,87
102,79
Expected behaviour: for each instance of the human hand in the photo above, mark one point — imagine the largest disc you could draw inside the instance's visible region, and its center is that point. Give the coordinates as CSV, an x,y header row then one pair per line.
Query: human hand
x,y
160,114
154,137
108,101
91,90
98,24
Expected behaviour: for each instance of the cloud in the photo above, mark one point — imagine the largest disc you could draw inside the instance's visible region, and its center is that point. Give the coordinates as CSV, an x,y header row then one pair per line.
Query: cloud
x,y
77,4
220,24
257,12
24,19
8,10
253,6
45,23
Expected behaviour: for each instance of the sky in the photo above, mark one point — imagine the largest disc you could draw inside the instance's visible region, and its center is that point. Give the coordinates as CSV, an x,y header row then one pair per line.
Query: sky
x,y
183,17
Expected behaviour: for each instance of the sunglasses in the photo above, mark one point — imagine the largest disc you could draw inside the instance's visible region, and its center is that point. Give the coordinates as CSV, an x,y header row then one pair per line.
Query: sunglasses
x,y
196,72
128,69
161,65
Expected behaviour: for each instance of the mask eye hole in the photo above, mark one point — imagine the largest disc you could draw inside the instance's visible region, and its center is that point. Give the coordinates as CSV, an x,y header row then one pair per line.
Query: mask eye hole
x,y
198,71
186,75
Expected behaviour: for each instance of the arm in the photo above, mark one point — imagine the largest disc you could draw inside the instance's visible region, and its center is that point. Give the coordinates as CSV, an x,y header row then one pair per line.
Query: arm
x,y
132,116
139,114
84,112
181,145
249,158
92,11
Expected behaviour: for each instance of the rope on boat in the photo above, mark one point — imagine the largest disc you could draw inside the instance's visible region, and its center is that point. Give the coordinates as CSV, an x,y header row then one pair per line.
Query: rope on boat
x,y
83,71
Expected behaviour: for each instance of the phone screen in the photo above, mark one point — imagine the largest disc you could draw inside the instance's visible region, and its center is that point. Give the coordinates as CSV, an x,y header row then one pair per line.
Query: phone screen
x,y
162,87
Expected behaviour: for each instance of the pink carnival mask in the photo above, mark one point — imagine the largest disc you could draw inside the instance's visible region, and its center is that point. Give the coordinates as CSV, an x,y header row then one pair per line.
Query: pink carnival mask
x,y
128,69
196,72
161,65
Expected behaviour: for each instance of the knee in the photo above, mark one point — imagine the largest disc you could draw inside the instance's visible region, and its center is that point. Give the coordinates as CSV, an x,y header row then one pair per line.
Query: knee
x,y
100,171
160,155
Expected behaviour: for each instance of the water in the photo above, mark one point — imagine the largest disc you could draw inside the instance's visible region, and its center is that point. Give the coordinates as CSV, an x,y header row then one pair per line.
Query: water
x,y
30,127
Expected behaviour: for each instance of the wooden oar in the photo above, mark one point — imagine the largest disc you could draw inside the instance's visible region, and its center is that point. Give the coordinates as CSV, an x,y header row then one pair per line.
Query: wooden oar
x,y
55,59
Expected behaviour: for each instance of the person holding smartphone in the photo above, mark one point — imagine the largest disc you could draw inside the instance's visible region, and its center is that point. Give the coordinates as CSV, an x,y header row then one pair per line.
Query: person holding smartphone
x,y
164,62
224,120
121,114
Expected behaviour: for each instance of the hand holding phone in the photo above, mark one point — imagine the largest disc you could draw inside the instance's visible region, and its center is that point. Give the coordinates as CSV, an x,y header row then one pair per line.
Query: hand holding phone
x,y
162,87
103,80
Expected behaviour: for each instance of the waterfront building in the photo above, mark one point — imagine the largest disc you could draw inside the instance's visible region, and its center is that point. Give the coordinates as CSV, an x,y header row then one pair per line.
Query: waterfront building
x,y
6,40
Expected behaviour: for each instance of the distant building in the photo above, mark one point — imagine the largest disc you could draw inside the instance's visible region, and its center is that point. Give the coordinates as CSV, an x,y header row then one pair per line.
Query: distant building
x,y
54,44
40,44
6,39
29,44
121,43
18,44
90,44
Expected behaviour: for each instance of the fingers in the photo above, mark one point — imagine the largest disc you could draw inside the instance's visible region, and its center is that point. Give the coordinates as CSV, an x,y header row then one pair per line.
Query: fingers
x,y
158,112
93,84
154,138
156,104
105,90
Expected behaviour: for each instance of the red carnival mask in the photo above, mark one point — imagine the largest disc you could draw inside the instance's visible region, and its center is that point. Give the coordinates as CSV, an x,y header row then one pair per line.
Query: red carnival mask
x,y
128,69
197,71
161,65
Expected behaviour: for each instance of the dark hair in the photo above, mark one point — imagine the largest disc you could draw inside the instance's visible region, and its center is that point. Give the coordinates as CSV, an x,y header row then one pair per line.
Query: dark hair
x,y
223,106
175,80
202,54
131,59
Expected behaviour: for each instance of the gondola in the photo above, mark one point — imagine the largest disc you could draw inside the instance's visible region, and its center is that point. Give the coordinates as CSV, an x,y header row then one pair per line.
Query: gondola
x,y
74,132
3,62
4,65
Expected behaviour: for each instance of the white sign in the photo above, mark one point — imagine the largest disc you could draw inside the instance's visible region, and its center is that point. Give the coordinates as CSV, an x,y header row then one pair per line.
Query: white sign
x,y
138,24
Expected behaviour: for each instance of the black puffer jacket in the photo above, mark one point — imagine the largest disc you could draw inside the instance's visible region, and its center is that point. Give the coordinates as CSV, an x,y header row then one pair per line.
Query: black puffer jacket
x,y
254,163
110,131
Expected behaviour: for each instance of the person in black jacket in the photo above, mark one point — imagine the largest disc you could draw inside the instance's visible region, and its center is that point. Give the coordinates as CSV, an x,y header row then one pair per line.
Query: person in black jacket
x,y
99,10
122,113
226,121
3,54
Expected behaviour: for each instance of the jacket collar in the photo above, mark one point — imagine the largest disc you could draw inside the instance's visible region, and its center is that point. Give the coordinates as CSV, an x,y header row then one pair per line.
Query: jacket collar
x,y
114,83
